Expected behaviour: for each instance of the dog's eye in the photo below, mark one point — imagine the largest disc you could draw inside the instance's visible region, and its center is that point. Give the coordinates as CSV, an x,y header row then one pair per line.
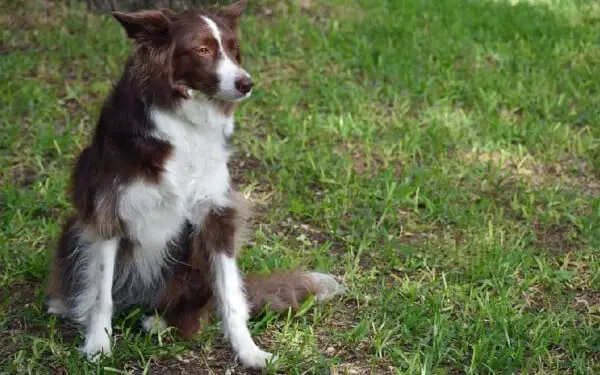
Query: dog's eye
x,y
233,45
203,51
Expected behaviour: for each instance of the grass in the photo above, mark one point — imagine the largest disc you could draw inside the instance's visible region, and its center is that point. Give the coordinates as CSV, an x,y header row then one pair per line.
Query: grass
x,y
442,157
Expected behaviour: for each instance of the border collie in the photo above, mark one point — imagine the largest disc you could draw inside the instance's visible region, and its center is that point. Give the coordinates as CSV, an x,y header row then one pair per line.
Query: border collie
x,y
157,223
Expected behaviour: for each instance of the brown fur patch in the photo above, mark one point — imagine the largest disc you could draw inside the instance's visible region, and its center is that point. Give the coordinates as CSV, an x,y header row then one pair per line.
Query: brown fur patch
x,y
189,289
278,291
105,164
55,287
219,230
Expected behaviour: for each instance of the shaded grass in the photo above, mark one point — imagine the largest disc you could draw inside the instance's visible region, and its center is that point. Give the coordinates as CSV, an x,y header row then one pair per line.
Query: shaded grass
x,y
442,157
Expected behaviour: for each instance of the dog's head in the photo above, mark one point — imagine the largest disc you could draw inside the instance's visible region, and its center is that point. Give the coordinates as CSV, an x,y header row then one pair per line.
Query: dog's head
x,y
192,51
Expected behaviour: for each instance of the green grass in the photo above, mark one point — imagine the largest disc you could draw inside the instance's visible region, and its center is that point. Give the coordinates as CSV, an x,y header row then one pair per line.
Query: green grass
x,y
442,157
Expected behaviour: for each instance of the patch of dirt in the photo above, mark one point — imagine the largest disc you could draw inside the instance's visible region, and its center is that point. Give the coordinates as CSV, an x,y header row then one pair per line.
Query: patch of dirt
x,y
556,239
575,283
368,163
308,234
320,12
20,175
240,165
534,298
317,10
587,301
23,293
6,49
358,367
18,306
576,174
356,359
37,14
219,361
523,174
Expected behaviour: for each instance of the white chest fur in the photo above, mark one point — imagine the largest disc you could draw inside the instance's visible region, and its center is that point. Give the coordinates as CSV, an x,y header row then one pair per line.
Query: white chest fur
x,y
195,178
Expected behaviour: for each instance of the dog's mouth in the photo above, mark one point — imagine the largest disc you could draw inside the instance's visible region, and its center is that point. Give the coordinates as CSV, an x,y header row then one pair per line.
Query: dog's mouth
x,y
236,97
191,93
222,85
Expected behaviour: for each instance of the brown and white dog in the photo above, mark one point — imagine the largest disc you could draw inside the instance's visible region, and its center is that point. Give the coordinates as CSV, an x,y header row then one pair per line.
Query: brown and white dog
x,y
157,223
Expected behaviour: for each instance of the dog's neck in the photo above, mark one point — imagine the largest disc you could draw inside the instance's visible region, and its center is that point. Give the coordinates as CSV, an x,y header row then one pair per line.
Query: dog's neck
x,y
206,114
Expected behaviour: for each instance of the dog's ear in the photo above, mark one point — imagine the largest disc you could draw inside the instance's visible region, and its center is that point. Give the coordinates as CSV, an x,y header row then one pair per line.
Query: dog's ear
x,y
233,13
146,24
171,15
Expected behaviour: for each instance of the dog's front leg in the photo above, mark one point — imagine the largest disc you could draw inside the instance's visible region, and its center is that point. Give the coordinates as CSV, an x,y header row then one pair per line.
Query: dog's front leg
x,y
234,311
228,287
97,294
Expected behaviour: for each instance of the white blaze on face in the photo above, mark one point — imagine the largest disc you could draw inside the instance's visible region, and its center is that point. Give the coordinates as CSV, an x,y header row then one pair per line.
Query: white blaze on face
x,y
227,70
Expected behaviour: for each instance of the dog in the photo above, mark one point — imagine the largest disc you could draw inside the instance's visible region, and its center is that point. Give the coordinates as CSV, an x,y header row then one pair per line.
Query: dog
x,y
156,221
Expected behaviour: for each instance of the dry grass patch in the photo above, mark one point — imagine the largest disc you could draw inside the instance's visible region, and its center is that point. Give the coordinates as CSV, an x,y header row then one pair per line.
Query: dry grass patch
x,y
369,163
21,175
571,173
556,239
316,10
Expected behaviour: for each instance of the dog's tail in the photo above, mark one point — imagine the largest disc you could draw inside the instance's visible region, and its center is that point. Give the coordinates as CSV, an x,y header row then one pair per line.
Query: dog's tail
x,y
277,291
288,289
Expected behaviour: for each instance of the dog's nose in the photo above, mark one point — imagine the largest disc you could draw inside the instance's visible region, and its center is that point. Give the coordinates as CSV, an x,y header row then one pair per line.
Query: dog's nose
x,y
244,84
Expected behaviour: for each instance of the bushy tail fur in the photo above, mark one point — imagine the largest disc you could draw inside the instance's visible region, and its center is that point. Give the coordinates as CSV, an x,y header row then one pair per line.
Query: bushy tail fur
x,y
282,290
277,291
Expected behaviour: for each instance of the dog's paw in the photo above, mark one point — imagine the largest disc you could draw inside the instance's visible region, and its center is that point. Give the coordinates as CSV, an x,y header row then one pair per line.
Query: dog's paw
x,y
328,286
153,324
57,307
95,346
255,358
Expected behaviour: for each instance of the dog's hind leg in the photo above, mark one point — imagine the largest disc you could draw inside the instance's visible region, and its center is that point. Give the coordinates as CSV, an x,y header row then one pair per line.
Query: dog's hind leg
x,y
80,284
94,303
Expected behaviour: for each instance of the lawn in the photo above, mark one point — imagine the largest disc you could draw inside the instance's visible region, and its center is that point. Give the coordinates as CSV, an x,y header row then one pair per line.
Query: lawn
x,y
442,157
